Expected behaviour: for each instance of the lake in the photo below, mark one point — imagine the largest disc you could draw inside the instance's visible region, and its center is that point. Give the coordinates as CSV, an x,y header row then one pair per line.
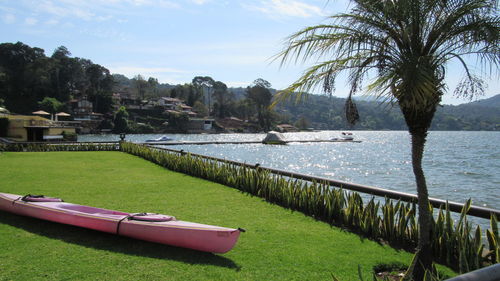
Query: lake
x,y
457,165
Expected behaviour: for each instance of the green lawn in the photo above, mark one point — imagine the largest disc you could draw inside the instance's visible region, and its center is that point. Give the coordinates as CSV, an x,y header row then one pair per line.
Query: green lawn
x,y
279,244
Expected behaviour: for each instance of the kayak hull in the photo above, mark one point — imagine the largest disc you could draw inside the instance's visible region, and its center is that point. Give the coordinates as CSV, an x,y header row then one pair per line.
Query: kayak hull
x,y
172,232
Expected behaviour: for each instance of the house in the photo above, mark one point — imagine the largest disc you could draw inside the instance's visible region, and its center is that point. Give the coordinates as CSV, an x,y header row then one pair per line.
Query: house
x,y
199,125
284,128
82,112
127,99
169,103
187,109
36,128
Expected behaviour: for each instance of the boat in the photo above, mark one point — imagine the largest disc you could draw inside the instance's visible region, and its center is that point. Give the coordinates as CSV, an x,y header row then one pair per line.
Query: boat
x,y
151,227
344,136
160,139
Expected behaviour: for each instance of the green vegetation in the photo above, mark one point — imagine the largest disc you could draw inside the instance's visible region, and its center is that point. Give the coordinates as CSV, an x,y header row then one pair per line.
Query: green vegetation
x,y
279,244
4,125
29,76
60,147
323,112
120,121
454,245
400,50
51,105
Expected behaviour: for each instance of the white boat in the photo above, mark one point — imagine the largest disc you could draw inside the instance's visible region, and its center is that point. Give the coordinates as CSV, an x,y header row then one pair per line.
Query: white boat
x,y
160,139
344,136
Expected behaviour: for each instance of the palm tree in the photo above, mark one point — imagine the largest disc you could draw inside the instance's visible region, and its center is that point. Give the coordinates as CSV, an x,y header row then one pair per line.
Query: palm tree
x,y
403,46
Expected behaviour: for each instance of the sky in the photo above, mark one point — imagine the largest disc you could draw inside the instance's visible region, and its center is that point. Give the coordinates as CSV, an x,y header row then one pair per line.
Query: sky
x,y
175,40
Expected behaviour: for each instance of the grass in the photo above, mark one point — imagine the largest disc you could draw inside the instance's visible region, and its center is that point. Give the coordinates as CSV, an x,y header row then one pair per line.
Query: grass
x,y
279,244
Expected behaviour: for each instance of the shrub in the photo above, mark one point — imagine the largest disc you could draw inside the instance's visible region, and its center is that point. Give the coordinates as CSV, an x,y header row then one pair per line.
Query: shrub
x,y
457,246
4,126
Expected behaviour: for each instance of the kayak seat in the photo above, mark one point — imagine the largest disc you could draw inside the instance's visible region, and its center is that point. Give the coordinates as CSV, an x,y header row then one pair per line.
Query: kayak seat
x,y
151,217
40,198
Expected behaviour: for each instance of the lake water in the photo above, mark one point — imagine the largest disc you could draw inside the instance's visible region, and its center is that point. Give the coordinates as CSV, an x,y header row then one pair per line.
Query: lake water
x,y
457,165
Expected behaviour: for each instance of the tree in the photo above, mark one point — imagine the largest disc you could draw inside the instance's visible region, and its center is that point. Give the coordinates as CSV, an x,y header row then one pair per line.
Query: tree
x,y
202,85
259,93
302,123
24,76
51,105
405,45
141,85
222,98
100,83
200,109
121,121
153,86
66,74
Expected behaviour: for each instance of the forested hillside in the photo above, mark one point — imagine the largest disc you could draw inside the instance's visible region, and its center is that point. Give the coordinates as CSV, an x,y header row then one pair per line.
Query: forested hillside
x,y
325,112
28,76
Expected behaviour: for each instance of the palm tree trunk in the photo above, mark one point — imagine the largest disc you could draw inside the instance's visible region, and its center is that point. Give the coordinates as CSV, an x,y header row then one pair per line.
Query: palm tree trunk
x,y
423,259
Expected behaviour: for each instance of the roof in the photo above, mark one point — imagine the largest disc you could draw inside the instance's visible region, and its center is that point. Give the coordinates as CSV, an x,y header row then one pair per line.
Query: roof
x,y
285,126
236,119
41,112
172,111
171,99
26,117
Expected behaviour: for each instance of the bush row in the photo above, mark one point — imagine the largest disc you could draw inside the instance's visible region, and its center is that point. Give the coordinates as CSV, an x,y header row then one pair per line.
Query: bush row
x,y
454,244
60,147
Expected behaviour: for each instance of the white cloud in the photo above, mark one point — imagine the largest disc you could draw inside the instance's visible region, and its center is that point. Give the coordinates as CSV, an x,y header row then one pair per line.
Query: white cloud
x,y
94,10
199,2
8,18
168,5
52,22
286,8
69,9
163,74
30,21
237,84
131,71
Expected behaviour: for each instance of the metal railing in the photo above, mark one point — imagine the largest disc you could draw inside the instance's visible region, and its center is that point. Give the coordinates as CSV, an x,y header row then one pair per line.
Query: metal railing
x,y
456,207
475,211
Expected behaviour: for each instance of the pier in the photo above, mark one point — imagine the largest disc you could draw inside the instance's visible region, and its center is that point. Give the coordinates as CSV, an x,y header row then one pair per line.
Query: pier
x,y
240,142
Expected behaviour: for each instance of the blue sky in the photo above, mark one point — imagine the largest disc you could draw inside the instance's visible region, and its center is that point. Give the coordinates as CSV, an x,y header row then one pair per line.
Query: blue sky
x,y
175,40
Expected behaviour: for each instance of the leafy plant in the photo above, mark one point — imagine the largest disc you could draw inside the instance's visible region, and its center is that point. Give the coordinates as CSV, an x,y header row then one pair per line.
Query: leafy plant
x,y
456,245
395,222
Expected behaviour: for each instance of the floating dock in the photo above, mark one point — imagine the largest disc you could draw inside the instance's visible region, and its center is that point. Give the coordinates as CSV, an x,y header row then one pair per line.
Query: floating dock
x,y
238,142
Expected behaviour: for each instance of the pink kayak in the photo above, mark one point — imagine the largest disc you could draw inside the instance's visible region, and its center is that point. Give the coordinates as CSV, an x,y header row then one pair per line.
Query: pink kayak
x,y
145,226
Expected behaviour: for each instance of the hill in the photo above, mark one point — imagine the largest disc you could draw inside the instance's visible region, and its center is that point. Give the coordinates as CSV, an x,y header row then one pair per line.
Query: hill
x,y
489,102
324,112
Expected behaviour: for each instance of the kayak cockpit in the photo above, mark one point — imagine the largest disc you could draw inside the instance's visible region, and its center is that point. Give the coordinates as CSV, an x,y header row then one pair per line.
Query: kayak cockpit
x,y
151,217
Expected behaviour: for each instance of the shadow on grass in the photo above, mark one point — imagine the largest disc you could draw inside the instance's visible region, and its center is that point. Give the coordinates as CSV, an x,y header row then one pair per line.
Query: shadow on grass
x,y
113,243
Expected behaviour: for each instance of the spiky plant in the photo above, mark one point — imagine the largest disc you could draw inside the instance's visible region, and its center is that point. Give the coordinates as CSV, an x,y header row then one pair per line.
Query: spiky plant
x,y
403,47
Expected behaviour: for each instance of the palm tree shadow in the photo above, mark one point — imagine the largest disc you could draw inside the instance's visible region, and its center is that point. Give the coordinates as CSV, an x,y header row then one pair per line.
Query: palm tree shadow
x,y
113,243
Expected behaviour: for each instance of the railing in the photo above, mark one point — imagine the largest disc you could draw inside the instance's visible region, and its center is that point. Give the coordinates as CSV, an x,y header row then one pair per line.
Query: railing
x,y
475,211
